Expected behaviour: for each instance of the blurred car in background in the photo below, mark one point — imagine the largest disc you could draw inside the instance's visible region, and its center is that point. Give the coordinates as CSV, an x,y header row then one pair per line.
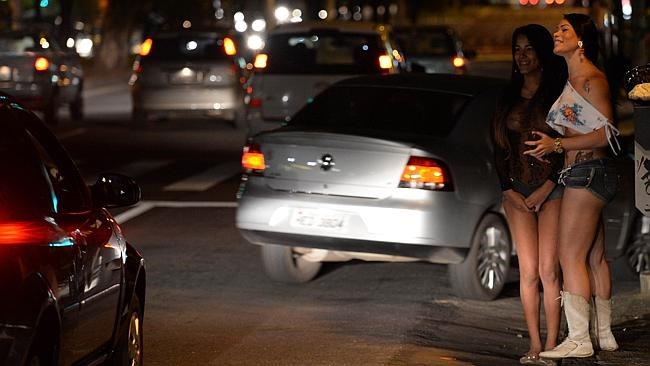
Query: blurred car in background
x,y
72,287
393,168
299,60
37,72
188,73
432,49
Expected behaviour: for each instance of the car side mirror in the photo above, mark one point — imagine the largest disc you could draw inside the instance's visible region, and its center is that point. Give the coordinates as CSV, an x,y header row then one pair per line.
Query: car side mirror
x,y
115,190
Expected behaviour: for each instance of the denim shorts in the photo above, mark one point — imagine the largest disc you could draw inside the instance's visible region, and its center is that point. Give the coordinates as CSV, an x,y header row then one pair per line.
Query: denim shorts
x,y
599,176
526,190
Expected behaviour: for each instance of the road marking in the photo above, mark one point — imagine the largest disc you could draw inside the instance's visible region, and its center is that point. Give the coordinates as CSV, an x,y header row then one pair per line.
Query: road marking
x,y
145,206
70,133
134,169
206,179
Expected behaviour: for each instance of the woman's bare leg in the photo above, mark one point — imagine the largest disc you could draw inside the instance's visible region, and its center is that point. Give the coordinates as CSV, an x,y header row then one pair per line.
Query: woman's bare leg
x,y
523,226
600,275
549,268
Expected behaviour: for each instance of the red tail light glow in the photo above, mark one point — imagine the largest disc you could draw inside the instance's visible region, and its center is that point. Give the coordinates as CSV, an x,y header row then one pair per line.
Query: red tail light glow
x,y
145,48
255,103
41,64
426,173
23,232
253,159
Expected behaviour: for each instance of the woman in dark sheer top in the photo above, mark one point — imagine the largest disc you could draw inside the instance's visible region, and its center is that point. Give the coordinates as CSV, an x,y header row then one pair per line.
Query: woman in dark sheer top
x,y
531,196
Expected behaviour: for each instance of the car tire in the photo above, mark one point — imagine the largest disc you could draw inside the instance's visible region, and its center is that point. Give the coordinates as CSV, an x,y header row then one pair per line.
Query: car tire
x,y
129,350
483,274
77,107
51,111
284,264
636,256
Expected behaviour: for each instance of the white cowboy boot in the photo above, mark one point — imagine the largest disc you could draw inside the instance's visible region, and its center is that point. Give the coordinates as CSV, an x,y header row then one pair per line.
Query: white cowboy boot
x,y
602,325
577,344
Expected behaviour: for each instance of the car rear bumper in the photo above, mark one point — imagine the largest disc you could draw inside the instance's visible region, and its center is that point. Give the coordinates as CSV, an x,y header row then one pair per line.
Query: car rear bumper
x,y
212,101
406,218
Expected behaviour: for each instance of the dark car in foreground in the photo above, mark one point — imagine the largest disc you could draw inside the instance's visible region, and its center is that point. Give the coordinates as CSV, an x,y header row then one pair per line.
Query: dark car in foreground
x,y
393,168
72,287
41,75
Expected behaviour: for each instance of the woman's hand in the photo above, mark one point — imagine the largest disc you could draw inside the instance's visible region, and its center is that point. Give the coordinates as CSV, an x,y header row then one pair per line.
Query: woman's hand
x,y
516,200
537,198
542,146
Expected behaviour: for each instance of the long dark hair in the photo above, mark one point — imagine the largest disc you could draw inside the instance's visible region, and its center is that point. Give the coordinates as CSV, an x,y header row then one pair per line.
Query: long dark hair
x,y
585,30
554,76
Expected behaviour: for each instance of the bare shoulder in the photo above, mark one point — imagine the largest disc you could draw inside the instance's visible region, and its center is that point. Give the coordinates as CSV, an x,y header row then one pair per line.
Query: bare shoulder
x,y
593,86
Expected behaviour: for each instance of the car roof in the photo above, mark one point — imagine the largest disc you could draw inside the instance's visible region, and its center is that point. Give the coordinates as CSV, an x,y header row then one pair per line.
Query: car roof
x,y
335,25
467,85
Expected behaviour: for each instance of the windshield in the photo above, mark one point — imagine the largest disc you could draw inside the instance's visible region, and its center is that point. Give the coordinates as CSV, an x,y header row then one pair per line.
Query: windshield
x,y
324,52
426,43
393,110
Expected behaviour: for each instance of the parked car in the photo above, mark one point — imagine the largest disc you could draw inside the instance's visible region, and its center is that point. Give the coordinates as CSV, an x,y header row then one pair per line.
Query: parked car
x,y
389,168
432,49
72,287
300,60
188,73
37,72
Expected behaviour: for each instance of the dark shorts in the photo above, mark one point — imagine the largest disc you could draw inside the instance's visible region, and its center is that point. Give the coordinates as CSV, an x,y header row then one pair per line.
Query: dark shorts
x,y
526,190
599,176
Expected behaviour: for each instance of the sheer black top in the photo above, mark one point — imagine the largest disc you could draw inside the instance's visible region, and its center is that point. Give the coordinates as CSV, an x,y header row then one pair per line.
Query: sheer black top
x,y
512,164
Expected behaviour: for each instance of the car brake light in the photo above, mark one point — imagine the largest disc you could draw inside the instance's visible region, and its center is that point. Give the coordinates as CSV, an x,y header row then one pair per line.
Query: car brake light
x,y
253,159
229,46
145,47
22,232
385,62
41,64
255,103
425,173
261,60
458,62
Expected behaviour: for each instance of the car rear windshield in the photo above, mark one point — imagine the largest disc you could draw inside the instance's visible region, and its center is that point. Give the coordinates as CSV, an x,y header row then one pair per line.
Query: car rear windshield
x,y
324,52
386,109
426,43
187,48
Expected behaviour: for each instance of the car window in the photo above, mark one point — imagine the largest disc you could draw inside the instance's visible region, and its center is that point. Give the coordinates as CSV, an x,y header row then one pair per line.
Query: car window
x,y
323,52
426,43
24,189
187,48
404,111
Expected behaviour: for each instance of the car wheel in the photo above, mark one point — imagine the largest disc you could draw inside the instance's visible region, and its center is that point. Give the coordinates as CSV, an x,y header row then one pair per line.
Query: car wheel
x,y
483,273
636,257
51,112
129,351
77,107
284,264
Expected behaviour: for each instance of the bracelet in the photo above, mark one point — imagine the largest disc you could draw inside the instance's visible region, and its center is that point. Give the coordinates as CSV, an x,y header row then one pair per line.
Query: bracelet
x,y
557,143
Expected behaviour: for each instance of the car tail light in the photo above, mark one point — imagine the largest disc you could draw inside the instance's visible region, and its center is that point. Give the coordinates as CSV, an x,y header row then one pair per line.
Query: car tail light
x,y
252,159
385,62
458,62
261,60
41,64
426,173
25,232
255,103
229,46
145,47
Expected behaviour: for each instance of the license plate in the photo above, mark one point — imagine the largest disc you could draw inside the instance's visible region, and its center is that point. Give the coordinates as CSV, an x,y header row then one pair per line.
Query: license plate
x,y
318,219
